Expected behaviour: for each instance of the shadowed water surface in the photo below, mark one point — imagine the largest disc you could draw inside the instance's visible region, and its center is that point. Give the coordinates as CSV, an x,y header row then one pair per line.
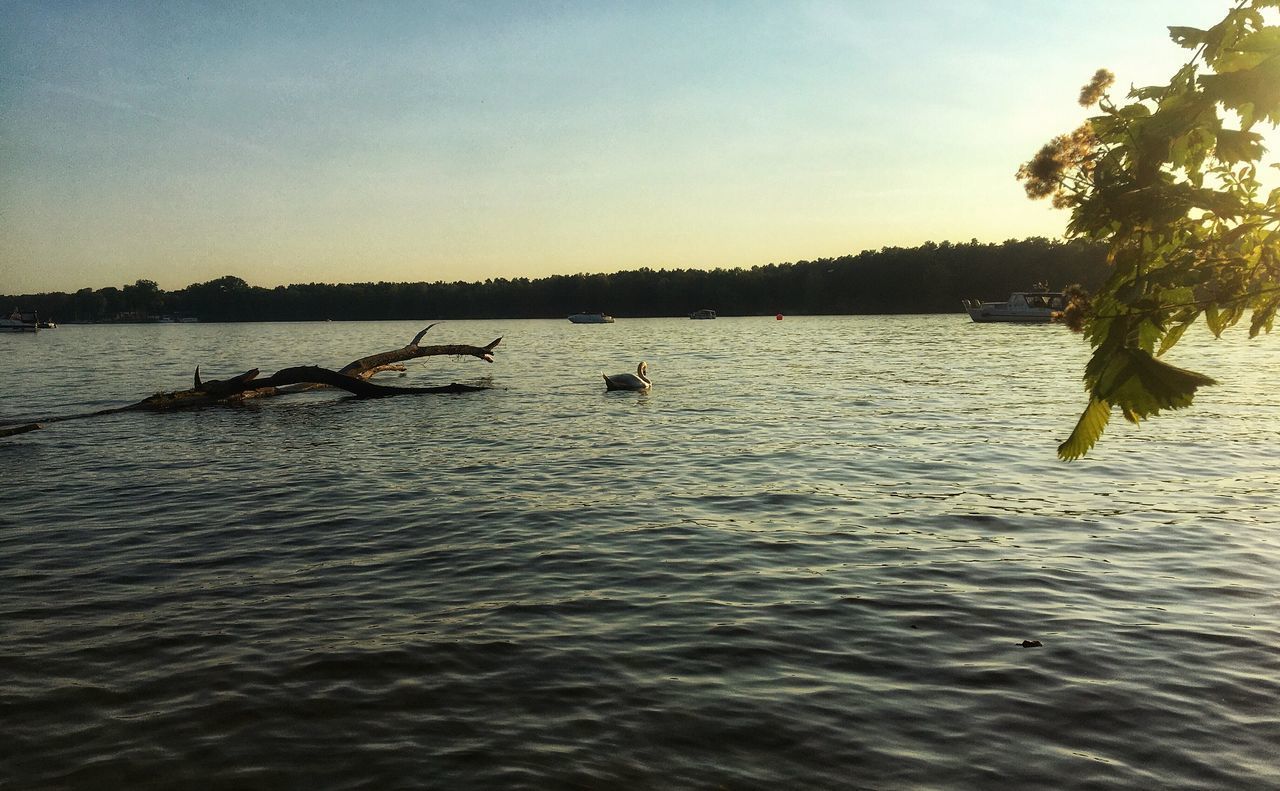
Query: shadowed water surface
x,y
805,559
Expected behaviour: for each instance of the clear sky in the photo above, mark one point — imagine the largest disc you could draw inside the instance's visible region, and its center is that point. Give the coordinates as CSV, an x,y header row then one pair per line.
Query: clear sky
x,y
293,142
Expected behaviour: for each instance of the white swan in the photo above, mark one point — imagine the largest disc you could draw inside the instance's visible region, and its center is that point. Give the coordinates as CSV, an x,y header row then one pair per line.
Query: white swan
x,y
635,381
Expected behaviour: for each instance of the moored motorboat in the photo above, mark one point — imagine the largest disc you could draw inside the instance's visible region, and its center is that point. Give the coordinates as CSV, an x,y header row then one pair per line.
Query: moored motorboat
x,y
20,321
705,313
591,318
1022,306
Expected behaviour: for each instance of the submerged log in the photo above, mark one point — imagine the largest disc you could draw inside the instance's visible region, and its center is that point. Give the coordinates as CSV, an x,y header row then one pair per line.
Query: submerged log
x,y
9,431
352,377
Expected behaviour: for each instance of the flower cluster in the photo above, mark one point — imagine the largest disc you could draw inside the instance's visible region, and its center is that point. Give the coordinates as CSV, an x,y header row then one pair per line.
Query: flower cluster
x,y
1097,87
1043,175
1078,308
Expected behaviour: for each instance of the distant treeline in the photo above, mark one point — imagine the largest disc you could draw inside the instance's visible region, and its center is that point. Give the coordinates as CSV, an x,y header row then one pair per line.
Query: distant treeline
x,y
932,278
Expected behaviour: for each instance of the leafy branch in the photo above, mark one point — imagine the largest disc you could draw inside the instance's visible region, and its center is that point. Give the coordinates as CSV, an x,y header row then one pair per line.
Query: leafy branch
x,y
1169,181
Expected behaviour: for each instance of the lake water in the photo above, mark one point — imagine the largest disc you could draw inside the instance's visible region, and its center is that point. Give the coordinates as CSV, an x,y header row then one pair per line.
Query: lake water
x,y
805,559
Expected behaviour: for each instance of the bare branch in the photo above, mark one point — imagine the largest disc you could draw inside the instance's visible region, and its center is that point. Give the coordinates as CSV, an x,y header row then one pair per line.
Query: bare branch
x,y
365,366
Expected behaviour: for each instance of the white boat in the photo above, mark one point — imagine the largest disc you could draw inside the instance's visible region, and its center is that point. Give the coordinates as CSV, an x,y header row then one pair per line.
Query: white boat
x,y
705,313
1022,306
20,321
591,318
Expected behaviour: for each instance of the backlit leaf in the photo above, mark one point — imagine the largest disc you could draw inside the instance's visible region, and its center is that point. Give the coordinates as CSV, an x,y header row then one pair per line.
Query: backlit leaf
x,y
1188,37
1088,428
1233,235
1254,92
1214,319
1263,317
1232,315
1145,385
1236,146
1249,51
1149,333
1174,335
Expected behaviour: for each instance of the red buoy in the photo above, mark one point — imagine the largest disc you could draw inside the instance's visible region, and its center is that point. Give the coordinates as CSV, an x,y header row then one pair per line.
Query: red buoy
x,y
778,317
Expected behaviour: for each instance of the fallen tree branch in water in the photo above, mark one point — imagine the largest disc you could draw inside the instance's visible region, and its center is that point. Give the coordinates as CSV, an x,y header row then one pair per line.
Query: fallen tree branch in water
x,y
9,431
352,377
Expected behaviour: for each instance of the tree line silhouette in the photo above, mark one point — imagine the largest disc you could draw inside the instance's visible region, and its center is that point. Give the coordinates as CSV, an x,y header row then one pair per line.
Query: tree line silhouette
x,y
931,278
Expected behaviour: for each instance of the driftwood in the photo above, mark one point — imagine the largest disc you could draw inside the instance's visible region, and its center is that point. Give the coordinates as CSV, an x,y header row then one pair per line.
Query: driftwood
x,y
352,377
9,431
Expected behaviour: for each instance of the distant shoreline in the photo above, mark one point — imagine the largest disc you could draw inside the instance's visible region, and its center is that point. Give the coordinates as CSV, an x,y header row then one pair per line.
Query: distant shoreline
x,y
931,278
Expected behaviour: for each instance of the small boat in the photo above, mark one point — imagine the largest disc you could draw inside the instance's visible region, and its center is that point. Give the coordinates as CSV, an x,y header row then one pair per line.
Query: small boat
x,y
591,318
705,313
20,321
1022,306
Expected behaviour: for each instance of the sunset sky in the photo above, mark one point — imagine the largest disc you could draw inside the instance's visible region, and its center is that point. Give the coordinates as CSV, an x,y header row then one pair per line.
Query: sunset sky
x,y
340,142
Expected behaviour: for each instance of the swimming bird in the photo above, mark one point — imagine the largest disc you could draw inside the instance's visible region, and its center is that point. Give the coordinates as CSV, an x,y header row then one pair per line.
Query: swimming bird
x,y
635,381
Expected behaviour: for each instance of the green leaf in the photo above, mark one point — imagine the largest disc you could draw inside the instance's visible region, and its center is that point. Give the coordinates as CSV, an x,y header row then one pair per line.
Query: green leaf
x,y
1232,315
1232,236
1187,37
1149,332
1174,335
1214,318
1214,36
1250,50
1263,317
1132,111
1254,92
1236,146
1220,203
1143,385
1088,428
